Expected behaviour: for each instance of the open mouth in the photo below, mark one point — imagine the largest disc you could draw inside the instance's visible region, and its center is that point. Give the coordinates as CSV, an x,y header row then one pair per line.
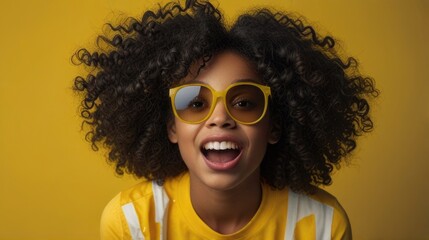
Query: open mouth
x,y
221,155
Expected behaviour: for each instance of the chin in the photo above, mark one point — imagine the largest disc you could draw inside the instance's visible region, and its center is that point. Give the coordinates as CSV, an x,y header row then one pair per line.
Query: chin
x,y
222,181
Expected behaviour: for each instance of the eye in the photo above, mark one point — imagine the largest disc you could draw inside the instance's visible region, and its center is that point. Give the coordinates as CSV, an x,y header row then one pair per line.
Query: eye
x,y
243,104
197,104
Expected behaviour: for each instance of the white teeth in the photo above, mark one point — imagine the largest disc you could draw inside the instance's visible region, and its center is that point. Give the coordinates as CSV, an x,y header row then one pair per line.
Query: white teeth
x,y
220,145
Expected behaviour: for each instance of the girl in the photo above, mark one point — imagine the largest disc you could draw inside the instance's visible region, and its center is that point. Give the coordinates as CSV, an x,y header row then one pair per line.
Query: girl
x,y
232,128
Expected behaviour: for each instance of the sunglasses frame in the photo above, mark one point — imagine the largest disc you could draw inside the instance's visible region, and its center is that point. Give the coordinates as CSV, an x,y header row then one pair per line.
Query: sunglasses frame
x,y
266,90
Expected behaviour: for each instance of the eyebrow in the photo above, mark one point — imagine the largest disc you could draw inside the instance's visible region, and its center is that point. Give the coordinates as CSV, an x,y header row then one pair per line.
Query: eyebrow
x,y
235,81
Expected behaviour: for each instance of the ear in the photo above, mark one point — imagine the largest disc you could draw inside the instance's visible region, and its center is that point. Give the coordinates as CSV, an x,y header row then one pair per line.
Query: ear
x,y
275,133
171,129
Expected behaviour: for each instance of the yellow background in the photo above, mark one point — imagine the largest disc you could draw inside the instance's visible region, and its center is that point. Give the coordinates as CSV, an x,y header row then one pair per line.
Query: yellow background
x,y
53,186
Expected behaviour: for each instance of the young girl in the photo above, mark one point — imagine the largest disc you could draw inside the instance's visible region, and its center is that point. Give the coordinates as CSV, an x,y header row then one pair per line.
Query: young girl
x,y
232,128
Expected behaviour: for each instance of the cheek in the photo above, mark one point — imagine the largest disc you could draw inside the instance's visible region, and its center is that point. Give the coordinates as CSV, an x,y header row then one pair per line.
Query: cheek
x,y
186,139
259,137
261,130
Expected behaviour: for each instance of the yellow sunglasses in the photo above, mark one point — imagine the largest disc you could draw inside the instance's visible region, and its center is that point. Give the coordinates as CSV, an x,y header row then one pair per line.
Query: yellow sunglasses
x,y
245,102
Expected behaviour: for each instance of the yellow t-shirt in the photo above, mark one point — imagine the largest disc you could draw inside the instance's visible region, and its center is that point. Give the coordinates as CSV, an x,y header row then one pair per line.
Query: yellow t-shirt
x,y
148,211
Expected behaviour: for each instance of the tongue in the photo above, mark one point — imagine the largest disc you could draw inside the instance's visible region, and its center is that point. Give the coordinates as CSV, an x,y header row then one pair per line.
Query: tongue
x,y
221,155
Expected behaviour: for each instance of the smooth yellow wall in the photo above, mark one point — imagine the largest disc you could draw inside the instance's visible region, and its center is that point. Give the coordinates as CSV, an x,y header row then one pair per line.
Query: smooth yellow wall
x,y
53,186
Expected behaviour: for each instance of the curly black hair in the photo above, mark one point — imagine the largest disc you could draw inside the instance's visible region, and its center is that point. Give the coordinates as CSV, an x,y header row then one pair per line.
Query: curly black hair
x,y
320,103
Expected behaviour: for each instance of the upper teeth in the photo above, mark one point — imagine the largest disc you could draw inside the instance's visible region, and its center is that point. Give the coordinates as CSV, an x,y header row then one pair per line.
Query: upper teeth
x,y
220,145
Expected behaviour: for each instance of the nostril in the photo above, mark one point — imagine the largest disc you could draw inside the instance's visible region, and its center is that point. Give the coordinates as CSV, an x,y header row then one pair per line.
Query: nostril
x,y
224,123
227,124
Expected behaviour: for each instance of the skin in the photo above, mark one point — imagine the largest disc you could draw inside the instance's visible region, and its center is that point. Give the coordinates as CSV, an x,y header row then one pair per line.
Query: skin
x,y
225,200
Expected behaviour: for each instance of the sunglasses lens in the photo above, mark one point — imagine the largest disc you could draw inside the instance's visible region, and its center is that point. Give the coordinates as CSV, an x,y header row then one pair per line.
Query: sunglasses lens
x,y
193,103
246,103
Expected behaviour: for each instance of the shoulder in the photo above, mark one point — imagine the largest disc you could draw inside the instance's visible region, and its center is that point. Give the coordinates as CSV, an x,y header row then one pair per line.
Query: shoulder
x,y
134,209
341,228
113,224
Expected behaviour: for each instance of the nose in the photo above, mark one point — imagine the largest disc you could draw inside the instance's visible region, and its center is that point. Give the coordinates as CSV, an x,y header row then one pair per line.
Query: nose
x,y
220,117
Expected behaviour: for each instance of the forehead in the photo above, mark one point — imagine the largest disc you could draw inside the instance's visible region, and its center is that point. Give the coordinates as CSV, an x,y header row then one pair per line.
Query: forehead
x,y
223,69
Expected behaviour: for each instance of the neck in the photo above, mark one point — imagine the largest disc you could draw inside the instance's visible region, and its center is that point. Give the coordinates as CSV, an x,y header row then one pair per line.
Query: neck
x,y
226,211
